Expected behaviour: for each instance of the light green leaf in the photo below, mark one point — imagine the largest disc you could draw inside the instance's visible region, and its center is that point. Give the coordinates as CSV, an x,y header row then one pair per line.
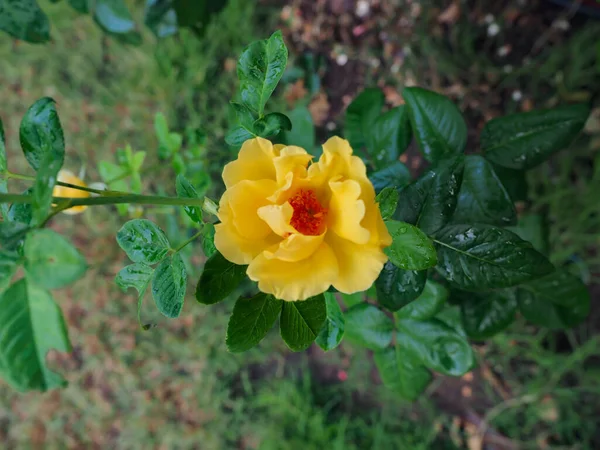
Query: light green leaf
x,y
301,322
21,212
486,257
169,285
482,197
332,332
31,324
524,140
368,326
143,241
388,201
160,17
11,234
395,175
402,372
437,123
486,314
219,279
114,18
389,137
41,134
428,304
51,261
9,262
45,181
398,287
251,320
259,70
185,190
24,19
411,249
137,276
208,240
360,117
353,299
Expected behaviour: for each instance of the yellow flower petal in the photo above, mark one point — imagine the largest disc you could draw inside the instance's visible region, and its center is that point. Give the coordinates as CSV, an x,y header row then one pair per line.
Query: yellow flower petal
x,y
346,211
238,249
337,160
299,280
278,218
296,247
254,162
66,176
359,265
291,160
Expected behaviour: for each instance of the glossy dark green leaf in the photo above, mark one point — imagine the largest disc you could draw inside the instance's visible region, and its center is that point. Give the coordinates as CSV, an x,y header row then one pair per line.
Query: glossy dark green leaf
x,y
9,262
21,212
251,320
169,285
360,117
402,372
219,279
302,133
41,134
514,181
487,313
368,326
12,233
24,19
524,140
428,304
389,137
259,70
238,135
533,228
395,175
437,124
196,13
45,181
398,287
302,321
411,249
451,316
558,300
51,261
114,18
486,257
31,324
185,190
333,329
387,200
143,241
208,240
430,201
80,6
137,276
272,124
482,197
438,346
160,17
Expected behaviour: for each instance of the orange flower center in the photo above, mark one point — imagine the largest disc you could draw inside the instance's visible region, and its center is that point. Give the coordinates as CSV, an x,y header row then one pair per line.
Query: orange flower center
x,y
309,216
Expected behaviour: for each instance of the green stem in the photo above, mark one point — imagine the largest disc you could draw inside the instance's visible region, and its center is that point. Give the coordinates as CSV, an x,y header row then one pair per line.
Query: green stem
x,y
195,236
18,176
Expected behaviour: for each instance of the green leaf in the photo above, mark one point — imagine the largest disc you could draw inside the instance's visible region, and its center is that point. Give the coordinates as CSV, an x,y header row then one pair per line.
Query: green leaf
x,y
533,228
437,345
219,279
160,17
41,134
81,6
482,197
428,304
137,276
301,322
24,19
161,129
332,331
368,326
524,140
45,181
196,13
395,175
352,299
389,137
514,181
51,261
411,249
259,70
486,257
114,18
185,190
302,132
11,234
397,287
9,262
272,124
388,201
451,316
208,240
430,201
402,372
251,320
169,284
558,300
237,136
437,123
143,241
21,212
31,324
486,314
3,165
360,117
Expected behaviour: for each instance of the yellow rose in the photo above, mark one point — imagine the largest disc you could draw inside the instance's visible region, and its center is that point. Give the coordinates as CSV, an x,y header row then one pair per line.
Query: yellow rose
x,y
301,227
66,176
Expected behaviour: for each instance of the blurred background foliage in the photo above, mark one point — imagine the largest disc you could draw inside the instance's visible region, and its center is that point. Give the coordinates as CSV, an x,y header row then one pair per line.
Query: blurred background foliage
x,y
176,387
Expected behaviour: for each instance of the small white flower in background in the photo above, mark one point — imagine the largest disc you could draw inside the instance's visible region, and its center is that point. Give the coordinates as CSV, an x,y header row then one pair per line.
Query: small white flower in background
x,y
503,51
493,29
489,18
561,24
362,8
341,59
517,96
330,126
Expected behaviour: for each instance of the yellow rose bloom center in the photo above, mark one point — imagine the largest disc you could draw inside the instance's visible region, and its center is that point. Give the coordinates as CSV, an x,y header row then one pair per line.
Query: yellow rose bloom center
x,y
309,216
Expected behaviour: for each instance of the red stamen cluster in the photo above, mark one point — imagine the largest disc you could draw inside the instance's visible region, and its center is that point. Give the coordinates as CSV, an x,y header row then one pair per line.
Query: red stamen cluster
x,y
309,216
